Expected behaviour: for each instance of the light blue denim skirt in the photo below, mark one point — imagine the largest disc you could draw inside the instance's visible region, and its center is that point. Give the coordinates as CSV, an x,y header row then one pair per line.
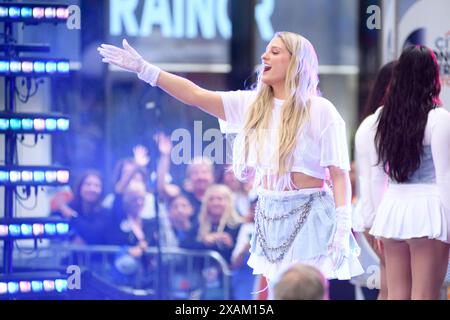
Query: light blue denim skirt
x,y
297,226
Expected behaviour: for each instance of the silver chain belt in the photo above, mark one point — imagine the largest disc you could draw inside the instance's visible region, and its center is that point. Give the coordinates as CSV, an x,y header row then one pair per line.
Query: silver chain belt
x,y
282,249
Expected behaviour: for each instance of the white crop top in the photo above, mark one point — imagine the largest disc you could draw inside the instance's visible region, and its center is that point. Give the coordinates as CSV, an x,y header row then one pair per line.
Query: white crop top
x,y
322,143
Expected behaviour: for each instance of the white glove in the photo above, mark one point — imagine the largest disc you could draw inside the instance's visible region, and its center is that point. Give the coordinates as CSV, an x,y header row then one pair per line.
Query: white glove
x,y
130,60
340,246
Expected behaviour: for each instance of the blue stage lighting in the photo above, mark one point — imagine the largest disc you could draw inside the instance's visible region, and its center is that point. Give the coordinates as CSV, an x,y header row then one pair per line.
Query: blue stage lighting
x,y
3,12
38,66
4,124
14,230
62,228
50,124
14,176
39,176
13,287
27,124
15,124
4,66
63,66
30,123
37,286
15,66
26,12
50,67
60,285
4,176
50,229
14,12
63,124
26,230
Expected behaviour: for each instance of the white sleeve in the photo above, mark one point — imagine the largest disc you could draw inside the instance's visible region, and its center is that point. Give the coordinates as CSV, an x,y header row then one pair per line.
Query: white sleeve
x,y
364,213
235,104
379,179
440,149
333,146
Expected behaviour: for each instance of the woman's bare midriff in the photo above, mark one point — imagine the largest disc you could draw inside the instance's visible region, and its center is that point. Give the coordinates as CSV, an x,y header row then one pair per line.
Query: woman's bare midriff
x,y
300,181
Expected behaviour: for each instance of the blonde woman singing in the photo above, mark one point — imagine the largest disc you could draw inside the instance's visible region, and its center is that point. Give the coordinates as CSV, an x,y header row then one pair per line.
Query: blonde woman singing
x,y
293,140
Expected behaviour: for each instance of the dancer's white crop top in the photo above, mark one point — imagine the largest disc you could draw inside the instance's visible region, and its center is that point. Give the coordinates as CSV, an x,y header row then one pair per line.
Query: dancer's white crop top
x,y
322,143
375,180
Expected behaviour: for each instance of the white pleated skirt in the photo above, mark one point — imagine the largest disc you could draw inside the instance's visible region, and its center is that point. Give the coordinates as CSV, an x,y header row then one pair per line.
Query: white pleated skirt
x,y
411,211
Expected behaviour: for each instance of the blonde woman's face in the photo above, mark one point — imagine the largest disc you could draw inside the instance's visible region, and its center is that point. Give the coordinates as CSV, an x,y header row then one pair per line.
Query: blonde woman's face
x,y
275,61
217,203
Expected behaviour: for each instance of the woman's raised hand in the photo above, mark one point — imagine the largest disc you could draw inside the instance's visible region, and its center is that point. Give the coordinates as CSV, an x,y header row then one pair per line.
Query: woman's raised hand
x,y
130,60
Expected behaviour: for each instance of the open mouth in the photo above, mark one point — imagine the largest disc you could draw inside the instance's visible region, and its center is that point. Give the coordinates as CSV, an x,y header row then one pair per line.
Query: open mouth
x,y
267,67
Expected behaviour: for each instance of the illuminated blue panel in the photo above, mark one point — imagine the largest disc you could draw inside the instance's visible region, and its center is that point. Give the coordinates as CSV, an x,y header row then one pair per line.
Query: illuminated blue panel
x,y
15,66
27,124
4,124
50,229
50,124
63,66
14,176
14,230
27,229
14,12
50,176
62,228
26,12
4,66
15,124
4,176
60,285
39,66
3,12
39,176
63,124
13,287
50,67
37,286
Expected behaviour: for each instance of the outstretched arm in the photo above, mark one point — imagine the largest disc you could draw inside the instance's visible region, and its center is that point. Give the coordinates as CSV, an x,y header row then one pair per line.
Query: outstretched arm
x,y
180,88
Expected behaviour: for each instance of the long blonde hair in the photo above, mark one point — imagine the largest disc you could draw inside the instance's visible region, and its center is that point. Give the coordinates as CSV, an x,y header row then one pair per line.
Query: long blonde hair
x,y
229,218
301,84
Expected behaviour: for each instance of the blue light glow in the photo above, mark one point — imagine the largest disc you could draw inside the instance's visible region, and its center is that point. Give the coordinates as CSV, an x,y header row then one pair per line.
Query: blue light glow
x,y
39,66
13,287
4,66
62,228
39,176
14,12
4,176
27,229
50,124
60,285
62,124
3,12
50,229
15,66
15,124
26,12
27,124
50,67
14,230
63,66
4,124
37,286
